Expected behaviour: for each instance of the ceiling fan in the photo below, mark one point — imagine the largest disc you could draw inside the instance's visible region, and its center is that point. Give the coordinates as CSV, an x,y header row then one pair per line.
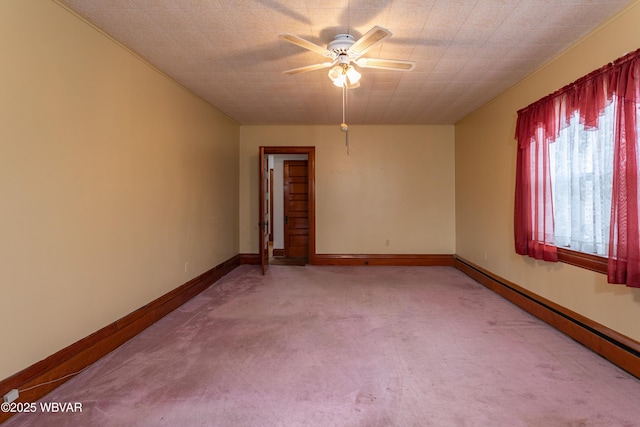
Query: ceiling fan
x,y
343,52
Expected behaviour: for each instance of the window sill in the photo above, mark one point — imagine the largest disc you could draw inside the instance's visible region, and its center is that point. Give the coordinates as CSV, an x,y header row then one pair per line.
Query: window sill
x,y
580,259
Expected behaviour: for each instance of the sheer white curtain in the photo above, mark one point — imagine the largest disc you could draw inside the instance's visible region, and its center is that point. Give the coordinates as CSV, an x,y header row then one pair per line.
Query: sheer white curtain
x,y
582,180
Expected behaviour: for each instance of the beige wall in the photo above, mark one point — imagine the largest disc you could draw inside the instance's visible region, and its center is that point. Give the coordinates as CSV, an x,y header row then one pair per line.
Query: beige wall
x,y
485,185
112,177
394,193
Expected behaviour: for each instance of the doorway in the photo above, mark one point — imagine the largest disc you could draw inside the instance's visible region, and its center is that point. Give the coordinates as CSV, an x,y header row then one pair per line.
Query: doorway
x,y
301,222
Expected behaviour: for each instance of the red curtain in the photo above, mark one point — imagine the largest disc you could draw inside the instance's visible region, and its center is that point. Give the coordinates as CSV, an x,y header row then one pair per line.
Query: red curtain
x,y
534,202
624,245
540,124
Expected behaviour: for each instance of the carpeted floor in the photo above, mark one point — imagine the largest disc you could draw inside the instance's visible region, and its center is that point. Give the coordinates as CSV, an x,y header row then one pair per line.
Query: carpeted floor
x,y
348,346
288,261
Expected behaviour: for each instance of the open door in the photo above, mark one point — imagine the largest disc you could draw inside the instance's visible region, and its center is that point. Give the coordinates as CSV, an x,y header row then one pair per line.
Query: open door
x,y
263,225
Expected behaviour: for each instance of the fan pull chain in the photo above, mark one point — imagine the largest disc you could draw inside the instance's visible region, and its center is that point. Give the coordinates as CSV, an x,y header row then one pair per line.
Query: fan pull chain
x,y
344,102
344,127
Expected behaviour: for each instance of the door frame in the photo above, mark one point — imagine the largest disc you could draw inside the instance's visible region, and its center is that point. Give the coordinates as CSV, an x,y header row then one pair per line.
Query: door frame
x,y
311,158
263,211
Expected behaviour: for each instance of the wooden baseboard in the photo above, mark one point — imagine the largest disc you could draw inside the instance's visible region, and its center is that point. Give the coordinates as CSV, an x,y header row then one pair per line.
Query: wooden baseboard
x,y
617,348
374,259
384,259
251,259
86,351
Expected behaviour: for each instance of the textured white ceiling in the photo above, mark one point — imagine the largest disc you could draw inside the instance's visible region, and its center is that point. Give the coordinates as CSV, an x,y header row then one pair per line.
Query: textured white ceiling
x,y
228,51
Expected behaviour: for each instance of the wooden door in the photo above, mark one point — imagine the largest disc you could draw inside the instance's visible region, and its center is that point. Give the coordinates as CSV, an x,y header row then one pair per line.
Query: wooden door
x,y
296,208
271,197
263,225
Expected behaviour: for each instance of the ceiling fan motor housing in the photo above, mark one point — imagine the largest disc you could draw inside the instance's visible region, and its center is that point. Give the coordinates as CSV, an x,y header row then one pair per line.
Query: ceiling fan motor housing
x,y
341,43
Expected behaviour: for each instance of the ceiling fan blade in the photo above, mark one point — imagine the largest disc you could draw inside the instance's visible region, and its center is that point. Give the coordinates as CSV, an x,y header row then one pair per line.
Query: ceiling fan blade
x,y
368,40
309,68
299,41
386,64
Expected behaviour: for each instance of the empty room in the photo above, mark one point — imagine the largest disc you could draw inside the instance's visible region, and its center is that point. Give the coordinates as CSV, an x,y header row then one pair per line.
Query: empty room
x,y
337,213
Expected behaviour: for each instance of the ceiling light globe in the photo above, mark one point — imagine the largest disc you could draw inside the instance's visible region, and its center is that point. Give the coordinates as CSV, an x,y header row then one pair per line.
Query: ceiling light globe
x,y
335,72
340,81
353,75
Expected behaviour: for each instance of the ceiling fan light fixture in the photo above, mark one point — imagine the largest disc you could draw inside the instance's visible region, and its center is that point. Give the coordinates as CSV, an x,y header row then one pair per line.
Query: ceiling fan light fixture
x,y
335,74
340,81
342,75
352,75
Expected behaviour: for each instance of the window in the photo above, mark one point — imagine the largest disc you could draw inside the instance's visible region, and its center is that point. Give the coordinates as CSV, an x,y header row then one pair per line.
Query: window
x,y
577,171
581,163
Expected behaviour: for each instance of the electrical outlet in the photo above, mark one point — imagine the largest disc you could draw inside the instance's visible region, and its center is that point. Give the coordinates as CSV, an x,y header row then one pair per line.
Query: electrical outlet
x,y
11,396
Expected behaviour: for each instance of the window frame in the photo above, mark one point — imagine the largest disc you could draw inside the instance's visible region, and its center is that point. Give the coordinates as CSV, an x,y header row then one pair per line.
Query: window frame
x,y
591,262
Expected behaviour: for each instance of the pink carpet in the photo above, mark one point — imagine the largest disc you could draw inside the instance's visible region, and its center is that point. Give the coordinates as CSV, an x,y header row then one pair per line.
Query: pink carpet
x,y
348,346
